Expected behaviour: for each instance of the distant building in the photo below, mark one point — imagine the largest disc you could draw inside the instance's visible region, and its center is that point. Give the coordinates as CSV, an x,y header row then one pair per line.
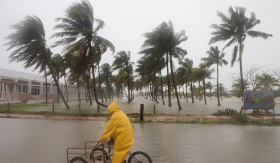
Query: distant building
x,y
16,86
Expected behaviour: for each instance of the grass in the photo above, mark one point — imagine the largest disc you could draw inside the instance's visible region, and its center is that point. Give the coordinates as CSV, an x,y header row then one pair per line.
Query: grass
x,y
19,107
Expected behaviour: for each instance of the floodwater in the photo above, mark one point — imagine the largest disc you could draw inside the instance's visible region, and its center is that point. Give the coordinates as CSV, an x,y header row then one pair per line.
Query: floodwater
x,y
46,141
188,108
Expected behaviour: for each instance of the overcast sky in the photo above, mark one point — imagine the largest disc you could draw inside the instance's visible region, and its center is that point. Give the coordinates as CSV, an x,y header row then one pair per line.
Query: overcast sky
x,y
127,20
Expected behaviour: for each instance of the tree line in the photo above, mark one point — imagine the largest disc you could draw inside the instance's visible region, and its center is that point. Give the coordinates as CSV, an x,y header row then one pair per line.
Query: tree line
x,y
79,61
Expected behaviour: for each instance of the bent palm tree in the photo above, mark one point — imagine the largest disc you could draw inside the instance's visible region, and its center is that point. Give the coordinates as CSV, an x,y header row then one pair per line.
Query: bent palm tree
x,y
215,57
79,34
235,28
30,46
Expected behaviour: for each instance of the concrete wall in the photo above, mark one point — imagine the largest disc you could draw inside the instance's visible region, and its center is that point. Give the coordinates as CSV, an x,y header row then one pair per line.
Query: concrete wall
x,y
50,96
24,96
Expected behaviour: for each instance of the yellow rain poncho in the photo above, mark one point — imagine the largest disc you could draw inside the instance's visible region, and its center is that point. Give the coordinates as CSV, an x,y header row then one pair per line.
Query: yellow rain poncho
x,y
121,130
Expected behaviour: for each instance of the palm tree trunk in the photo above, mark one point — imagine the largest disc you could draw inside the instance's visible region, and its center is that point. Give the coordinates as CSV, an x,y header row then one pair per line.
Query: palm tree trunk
x,y
179,105
125,94
79,96
46,85
88,76
131,95
168,83
199,91
192,92
109,90
66,88
204,91
99,82
161,88
218,86
93,76
187,93
103,93
57,85
241,71
94,88
85,92
112,90
58,91
128,84
155,87
179,93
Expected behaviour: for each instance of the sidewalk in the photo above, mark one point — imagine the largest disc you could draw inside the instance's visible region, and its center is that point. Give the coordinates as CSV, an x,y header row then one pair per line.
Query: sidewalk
x,y
147,118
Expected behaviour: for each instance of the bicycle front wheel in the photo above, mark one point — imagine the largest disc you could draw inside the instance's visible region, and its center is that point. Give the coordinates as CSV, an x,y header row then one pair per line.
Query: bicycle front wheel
x,y
139,157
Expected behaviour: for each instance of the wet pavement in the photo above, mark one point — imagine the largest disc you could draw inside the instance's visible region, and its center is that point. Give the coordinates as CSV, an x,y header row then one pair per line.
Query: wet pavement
x,y
46,141
188,108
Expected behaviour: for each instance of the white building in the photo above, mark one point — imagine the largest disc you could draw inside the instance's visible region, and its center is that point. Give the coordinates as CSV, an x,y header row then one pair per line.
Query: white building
x,y
16,86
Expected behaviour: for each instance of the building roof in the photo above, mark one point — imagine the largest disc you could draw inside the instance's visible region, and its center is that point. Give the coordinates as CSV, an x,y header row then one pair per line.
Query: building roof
x,y
19,75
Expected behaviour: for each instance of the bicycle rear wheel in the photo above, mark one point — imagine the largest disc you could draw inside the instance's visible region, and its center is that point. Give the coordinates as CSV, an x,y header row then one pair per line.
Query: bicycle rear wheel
x,y
139,157
78,160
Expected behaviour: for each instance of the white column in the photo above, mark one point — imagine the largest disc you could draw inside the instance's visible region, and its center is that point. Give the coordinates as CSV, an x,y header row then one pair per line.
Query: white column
x,y
16,91
3,91
8,91
29,86
51,87
41,88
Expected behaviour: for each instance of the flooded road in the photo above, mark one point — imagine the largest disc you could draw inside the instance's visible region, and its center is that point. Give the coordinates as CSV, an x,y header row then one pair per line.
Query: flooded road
x,y
46,141
188,108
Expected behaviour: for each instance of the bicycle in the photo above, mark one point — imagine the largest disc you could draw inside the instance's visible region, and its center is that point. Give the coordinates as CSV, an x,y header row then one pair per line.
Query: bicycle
x,y
102,153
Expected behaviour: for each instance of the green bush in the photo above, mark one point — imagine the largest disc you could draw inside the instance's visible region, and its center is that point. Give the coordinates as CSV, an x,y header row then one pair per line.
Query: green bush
x,y
240,118
226,111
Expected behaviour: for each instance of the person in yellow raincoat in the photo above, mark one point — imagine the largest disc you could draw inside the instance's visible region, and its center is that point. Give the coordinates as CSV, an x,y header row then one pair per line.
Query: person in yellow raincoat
x,y
121,130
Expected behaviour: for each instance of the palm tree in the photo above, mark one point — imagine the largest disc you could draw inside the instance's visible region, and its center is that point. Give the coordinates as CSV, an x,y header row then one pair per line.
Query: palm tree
x,y
163,41
205,73
221,89
235,28
210,87
182,73
106,74
236,87
215,57
56,63
187,70
79,34
266,81
30,46
123,64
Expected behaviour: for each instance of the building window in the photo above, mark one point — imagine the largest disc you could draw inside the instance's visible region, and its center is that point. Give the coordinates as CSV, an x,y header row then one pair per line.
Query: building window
x,y
55,90
44,90
35,90
19,88
25,89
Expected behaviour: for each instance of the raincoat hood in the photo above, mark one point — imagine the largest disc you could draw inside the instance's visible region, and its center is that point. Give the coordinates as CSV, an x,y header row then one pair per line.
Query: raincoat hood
x,y
113,107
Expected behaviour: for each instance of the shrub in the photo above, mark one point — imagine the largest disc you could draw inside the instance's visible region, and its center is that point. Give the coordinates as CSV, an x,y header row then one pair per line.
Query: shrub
x,y
240,118
226,111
